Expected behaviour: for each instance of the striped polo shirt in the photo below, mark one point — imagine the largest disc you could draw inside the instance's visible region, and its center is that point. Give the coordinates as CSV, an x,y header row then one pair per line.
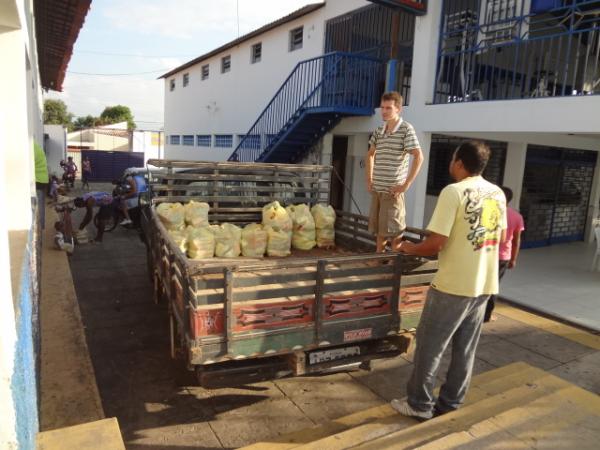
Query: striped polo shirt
x,y
392,155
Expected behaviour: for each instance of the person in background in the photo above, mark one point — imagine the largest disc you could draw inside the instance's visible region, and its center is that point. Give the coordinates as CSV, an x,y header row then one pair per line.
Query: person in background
x,y
86,173
71,172
41,181
509,248
102,200
137,184
466,229
390,172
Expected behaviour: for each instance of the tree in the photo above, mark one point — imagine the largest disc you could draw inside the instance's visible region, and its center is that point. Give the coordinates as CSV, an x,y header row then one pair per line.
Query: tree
x,y
86,122
56,113
116,114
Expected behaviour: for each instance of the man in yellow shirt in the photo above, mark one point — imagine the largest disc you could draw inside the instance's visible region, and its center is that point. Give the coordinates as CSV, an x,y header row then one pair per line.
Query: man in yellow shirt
x,y
465,231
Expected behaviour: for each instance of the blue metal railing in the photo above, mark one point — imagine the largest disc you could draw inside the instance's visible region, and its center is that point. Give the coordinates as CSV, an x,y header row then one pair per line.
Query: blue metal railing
x,y
502,50
334,82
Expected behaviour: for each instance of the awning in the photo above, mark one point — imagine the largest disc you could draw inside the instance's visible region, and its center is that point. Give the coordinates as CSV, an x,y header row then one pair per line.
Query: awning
x,y
57,25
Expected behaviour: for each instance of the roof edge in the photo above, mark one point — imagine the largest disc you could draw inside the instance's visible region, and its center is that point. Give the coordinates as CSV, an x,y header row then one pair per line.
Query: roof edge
x,y
305,10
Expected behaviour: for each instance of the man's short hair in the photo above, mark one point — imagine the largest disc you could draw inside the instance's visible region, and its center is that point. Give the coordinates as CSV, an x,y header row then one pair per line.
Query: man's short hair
x,y
508,193
474,155
392,96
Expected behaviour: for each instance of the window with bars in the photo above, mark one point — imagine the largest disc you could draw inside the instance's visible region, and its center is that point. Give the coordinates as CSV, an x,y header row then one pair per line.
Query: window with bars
x,y
225,64
203,140
296,37
186,79
224,140
440,155
256,53
188,139
251,141
174,139
205,72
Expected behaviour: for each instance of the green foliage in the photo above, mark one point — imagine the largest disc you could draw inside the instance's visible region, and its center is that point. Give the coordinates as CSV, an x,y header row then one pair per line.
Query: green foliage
x,y
116,114
86,122
56,113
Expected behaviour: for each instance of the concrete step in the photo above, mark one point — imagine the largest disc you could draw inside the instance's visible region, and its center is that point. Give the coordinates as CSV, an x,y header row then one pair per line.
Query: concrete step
x,y
99,435
384,419
533,412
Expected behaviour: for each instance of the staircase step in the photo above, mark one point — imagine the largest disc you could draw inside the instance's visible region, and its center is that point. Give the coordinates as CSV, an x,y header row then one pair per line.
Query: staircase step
x,y
533,408
493,378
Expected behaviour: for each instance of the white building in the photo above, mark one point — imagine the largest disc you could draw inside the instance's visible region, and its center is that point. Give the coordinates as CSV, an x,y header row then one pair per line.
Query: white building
x,y
520,74
36,42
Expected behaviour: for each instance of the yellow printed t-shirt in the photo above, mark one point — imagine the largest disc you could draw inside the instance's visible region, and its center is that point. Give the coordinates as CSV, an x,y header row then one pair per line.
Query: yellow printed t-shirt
x,y
472,214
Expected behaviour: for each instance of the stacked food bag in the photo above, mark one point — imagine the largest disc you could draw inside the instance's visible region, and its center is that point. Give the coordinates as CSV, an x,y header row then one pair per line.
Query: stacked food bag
x,y
296,226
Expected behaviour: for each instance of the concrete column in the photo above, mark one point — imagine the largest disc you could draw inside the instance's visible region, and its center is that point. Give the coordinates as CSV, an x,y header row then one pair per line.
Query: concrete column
x,y
514,169
17,147
594,208
415,197
326,149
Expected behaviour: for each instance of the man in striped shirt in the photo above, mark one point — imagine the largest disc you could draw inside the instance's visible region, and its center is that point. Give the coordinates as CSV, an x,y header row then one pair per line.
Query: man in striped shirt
x,y
390,172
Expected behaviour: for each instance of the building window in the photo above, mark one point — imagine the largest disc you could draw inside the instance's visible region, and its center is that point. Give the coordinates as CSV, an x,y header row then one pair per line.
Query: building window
x,y
223,140
296,36
172,85
249,141
203,140
186,79
225,64
205,72
174,139
256,53
188,139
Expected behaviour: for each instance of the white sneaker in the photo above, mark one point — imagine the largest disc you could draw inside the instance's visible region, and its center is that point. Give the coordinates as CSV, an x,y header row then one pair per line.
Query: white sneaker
x,y
126,222
405,409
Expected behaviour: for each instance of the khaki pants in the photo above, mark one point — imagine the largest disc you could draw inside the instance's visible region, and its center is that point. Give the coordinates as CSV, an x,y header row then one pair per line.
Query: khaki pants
x,y
387,216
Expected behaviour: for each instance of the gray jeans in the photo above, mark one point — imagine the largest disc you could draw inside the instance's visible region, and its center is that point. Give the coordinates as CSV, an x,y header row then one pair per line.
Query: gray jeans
x,y
445,318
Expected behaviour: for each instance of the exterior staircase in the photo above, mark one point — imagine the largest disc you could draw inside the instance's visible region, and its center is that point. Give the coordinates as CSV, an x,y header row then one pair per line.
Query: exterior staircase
x,y
314,98
513,407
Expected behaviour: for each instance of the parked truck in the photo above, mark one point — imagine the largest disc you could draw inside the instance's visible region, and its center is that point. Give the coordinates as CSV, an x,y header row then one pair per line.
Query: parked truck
x,y
246,319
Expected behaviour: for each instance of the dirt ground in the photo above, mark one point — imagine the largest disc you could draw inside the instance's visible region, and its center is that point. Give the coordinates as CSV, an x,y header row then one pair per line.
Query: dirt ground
x,y
160,407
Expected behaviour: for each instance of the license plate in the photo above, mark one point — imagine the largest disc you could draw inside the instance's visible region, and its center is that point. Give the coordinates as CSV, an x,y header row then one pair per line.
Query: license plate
x,y
333,354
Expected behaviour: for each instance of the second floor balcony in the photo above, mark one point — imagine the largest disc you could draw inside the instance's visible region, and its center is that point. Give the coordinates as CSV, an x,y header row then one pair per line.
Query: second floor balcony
x,y
517,49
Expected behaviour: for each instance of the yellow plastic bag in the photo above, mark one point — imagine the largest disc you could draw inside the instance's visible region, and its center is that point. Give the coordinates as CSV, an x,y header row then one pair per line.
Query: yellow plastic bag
x,y
254,240
279,242
201,242
171,215
324,216
274,215
227,240
303,235
196,213
180,238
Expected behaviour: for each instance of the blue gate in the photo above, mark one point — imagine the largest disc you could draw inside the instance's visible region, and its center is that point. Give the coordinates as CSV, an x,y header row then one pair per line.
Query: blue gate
x,y
108,166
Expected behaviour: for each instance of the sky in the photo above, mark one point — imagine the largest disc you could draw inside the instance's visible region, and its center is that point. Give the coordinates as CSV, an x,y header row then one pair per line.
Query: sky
x,y
125,45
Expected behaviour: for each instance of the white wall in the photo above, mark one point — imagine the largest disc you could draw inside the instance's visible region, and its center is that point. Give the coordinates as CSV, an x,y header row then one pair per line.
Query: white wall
x,y
55,147
230,103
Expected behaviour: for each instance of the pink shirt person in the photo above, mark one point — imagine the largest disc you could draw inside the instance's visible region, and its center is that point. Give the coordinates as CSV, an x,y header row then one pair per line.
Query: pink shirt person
x,y
507,251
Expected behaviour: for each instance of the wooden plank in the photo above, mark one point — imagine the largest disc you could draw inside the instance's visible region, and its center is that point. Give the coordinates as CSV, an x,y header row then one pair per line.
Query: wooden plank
x,y
237,177
243,189
235,199
102,435
237,166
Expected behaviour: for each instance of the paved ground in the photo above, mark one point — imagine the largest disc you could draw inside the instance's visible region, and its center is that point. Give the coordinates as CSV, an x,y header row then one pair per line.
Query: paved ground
x,y
159,407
